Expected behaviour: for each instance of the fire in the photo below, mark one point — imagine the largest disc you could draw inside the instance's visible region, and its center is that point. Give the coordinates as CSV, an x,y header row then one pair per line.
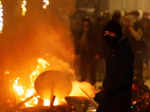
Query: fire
x,y
82,89
18,88
23,7
23,93
41,67
1,17
32,102
46,3
46,102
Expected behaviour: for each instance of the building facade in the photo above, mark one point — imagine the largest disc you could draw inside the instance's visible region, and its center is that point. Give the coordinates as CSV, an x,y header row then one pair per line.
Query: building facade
x,y
129,5
112,5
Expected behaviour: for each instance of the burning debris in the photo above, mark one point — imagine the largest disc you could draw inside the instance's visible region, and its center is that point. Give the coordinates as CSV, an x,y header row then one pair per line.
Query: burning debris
x,y
29,39
54,83
56,88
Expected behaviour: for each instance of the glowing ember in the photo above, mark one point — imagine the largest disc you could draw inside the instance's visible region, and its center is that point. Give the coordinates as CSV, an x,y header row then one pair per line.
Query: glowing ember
x,y
1,17
46,3
23,7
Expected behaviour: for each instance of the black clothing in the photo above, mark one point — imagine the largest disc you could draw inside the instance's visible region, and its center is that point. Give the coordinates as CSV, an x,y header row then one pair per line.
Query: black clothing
x,y
87,50
119,71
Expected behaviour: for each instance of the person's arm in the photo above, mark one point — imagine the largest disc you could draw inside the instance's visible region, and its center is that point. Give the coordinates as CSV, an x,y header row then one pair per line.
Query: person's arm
x,y
136,34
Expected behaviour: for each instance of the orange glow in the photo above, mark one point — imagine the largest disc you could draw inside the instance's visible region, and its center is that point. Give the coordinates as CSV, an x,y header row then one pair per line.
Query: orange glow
x,y
18,88
134,102
57,101
46,102
23,7
46,3
41,67
82,89
7,73
32,102
26,93
22,92
30,93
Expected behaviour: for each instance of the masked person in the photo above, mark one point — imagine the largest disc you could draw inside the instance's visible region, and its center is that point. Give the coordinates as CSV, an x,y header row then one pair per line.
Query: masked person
x,y
119,68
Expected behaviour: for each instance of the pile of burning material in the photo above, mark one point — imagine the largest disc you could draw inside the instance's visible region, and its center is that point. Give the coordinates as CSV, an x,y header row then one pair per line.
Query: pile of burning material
x,y
74,104
56,91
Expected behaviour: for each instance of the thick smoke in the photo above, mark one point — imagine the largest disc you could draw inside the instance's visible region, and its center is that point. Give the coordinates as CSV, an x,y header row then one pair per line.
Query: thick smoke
x,y
39,34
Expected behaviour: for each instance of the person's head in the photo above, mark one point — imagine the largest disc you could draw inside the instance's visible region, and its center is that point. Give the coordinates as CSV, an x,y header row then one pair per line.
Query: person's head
x,y
116,16
86,23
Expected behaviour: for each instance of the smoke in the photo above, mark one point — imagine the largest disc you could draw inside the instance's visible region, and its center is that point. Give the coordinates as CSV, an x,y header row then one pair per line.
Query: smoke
x,y
39,34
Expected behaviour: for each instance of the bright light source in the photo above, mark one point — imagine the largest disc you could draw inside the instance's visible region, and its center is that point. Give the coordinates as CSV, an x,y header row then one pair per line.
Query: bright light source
x,y
46,3
23,7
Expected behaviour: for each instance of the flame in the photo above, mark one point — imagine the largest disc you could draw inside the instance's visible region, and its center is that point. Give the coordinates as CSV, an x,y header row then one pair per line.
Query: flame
x,y
18,88
1,17
57,101
42,65
46,102
26,93
84,89
23,7
22,93
46,3
32,102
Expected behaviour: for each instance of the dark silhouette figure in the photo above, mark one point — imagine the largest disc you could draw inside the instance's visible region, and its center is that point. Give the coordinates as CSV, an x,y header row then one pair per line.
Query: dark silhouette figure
x,y
119,68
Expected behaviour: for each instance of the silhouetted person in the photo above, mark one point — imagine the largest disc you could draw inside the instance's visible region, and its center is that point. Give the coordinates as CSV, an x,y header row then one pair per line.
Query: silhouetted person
x,y
119,68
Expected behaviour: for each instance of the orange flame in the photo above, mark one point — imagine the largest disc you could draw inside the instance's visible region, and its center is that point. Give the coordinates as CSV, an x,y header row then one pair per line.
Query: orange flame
x,y
78,88
18,88
82,89
46,102
26,93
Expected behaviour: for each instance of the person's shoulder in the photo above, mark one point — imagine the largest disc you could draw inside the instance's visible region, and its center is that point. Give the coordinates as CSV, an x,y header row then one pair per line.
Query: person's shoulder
x,y
108,24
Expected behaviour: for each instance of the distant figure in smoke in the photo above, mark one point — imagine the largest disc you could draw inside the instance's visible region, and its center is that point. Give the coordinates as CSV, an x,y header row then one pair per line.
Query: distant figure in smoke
x,y
86,52
136,31
119,68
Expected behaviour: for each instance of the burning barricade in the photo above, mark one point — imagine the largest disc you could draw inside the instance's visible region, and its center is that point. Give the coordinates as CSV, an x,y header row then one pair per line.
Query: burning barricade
x,y
55,90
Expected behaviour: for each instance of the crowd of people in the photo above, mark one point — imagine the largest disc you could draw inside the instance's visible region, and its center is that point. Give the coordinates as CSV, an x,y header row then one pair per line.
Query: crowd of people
x,y
90,45
122,41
